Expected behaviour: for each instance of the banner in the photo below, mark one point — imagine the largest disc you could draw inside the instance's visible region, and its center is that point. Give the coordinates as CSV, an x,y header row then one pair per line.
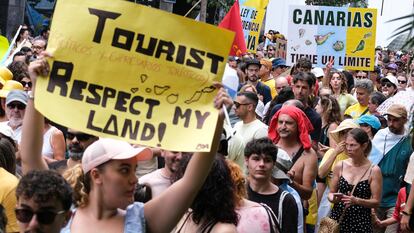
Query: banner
x,y
321,33
126,71
252,13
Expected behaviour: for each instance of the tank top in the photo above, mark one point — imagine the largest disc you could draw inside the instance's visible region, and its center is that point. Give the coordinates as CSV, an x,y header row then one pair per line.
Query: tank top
x,y
134,219
47,149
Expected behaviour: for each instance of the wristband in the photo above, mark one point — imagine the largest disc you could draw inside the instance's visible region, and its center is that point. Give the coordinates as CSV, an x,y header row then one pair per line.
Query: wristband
x,y
405,213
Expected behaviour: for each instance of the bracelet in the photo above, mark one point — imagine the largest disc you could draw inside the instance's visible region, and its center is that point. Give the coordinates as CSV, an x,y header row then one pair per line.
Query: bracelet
x,y
405,213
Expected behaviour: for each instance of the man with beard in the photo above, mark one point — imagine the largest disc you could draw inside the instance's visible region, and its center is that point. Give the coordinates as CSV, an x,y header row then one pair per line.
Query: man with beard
x,y
16,102
303,84
393,150
289,129
76,143
252,72
159,180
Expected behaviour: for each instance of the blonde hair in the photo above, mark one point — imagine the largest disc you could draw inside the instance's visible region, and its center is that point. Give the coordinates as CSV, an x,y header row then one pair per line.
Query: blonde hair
x,y
76,178
239,181
243,88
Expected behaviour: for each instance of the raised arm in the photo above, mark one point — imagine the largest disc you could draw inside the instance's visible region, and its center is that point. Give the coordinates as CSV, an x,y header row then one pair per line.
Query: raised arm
x,y
326,164
33,123
179,196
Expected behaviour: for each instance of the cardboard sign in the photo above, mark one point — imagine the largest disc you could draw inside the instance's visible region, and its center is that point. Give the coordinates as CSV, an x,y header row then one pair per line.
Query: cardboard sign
x,y
281,48
130,72
322,33
252,13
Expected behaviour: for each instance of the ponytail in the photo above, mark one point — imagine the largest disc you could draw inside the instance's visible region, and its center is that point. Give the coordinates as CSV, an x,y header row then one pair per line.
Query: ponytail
x,y
80,184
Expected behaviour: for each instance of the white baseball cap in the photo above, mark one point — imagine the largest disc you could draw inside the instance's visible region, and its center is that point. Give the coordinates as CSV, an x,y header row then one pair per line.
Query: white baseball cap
x,y
105,149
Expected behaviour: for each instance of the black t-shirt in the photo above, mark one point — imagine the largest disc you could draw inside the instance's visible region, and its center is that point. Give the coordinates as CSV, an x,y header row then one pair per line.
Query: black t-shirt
x,y
290,210
316,121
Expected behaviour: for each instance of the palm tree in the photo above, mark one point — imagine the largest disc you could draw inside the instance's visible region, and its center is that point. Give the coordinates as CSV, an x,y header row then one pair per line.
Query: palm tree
x,y
406,29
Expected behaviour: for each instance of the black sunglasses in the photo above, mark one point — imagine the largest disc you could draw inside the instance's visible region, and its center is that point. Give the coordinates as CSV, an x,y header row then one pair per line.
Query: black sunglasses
x,y
386,84
19,106
29,84
360,77
79,136
43,217
402,81
237,104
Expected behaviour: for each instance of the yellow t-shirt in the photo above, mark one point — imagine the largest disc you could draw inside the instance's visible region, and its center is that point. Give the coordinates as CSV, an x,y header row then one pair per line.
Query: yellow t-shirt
x,y
356,110
328,154
271,83
8,184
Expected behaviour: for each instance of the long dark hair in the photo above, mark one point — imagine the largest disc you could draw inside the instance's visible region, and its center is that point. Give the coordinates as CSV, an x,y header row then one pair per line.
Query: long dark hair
x,y
215,202
331,110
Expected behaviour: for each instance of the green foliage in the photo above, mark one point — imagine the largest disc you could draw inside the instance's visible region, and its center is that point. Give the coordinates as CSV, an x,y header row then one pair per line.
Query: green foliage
x,y
354,3
407,28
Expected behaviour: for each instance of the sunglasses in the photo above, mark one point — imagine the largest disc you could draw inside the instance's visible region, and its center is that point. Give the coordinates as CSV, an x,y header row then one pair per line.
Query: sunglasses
x,y
16,105
237,104
28,84
386,84
43,217
360,77
402,81
79,136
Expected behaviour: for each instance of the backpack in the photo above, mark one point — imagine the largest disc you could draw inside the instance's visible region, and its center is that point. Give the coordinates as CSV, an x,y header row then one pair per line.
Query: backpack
x,y
275,222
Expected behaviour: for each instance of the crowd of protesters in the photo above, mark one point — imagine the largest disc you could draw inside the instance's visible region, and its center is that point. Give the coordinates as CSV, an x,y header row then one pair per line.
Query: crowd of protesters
x,y
304,144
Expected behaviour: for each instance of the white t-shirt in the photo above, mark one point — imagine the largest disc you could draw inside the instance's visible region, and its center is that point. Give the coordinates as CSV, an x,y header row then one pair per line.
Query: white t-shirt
x,y
157,181
253,130
17,133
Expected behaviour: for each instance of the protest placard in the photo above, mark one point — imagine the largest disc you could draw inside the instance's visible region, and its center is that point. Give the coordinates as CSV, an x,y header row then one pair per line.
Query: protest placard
x,y
131,72
281,48
322,33
252,13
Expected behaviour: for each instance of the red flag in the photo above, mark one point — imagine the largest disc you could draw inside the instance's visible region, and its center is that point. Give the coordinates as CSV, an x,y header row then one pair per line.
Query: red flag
x,y
232,21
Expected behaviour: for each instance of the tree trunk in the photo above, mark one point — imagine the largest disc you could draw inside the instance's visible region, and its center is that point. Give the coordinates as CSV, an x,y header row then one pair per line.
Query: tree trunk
x,y
203,10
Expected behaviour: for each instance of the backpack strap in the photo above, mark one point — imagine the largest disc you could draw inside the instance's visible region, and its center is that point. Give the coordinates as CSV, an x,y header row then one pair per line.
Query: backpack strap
x,y
280,214
297,155
273,221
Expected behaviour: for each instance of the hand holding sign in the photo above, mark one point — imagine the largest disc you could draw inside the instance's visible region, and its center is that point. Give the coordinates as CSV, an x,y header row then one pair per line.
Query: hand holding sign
x,y
118,77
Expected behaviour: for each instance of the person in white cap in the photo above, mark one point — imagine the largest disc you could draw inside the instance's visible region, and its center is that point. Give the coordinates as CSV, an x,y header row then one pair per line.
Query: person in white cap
x,y
108,171
389,85
393,150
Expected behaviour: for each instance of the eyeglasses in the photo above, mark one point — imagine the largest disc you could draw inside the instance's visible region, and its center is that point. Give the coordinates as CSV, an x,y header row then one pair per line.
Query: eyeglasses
x,y
402,81
386,84
28,84
19,106
360,77
237,104
79,136
43,217
37,47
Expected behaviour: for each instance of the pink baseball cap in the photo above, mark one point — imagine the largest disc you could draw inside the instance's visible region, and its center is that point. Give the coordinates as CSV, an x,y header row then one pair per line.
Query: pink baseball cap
x,y
105,149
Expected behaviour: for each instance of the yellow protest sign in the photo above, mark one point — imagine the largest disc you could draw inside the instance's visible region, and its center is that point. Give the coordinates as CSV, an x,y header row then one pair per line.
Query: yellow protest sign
x,y
130,72
252,13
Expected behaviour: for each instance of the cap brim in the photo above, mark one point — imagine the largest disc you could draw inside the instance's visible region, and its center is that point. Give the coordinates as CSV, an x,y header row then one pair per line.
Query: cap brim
x,y
141,153
394,115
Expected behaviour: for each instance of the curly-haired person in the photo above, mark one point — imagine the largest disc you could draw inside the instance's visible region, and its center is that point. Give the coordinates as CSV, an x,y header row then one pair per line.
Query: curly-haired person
x,y
214,208
44,199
